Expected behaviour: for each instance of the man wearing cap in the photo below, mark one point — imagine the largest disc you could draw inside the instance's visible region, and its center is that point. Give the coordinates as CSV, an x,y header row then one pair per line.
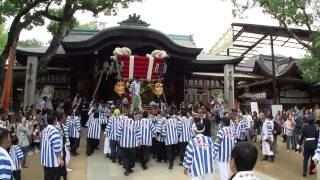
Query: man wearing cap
x,y
198,159
309,136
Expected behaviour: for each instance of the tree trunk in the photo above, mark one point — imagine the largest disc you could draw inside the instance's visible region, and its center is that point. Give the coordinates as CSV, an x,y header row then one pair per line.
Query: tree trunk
x,y
56,40
13,37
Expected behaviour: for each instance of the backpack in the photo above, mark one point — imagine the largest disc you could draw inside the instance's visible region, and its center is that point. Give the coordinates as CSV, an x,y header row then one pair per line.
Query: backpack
x,y
276,128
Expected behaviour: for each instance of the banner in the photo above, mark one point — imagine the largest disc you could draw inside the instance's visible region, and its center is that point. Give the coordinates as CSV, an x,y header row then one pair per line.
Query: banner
x,y
275,109
7,86
254,107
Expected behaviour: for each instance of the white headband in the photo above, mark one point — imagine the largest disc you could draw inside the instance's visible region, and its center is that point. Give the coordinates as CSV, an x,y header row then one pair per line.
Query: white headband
x,y
195,129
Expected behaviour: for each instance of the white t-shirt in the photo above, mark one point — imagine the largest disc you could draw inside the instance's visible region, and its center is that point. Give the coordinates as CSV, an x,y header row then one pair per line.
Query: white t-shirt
x,y
245,175
249,121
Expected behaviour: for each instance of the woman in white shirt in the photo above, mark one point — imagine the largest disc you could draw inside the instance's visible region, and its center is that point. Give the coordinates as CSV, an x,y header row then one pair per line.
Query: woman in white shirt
x,y
22,132
288,131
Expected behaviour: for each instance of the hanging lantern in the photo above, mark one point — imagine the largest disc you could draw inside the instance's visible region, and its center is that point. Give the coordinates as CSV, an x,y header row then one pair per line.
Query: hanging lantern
x,y
158,89
119,88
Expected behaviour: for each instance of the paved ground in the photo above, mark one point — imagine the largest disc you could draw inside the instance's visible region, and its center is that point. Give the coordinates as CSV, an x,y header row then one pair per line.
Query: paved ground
x,y
287,166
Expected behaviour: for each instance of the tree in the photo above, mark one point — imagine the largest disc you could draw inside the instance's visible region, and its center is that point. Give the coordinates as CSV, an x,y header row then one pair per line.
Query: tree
x,y
93,25
29,13
302,13
3,37
310,65
26,14
30,43
108,7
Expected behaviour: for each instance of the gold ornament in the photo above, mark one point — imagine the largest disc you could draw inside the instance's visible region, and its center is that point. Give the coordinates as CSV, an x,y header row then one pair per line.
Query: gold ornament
x,y
158,89
119,88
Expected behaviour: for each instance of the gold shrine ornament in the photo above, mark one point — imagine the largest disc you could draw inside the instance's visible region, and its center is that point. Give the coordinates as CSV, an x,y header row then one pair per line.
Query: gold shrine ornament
x,y
119,88
158,89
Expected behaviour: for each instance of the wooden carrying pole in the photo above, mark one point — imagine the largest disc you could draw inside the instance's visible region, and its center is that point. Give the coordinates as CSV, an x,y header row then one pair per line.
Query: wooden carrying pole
x,y
98,84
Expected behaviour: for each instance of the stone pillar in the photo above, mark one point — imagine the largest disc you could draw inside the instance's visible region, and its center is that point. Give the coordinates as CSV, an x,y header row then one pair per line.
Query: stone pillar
x,y
229,86
30,83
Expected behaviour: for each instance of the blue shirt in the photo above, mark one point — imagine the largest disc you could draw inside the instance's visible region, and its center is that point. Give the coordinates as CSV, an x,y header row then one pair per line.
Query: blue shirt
x,y
147,129
184,126
221,110
16,156
65,133
6,168
50,146
160,123
224,144
94,127
104,112
198,158
242,130
170,131
112,126
74,126
129,133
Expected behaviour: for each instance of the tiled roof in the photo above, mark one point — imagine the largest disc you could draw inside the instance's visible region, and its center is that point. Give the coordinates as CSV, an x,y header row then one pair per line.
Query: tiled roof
x,y
80,35
183,40
282,64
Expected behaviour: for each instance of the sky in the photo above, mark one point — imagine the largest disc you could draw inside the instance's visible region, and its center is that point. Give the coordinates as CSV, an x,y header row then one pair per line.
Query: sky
x,y
206,20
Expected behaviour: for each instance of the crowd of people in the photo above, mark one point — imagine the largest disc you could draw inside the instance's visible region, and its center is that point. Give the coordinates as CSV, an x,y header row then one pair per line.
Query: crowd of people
x,y
35,130
135,136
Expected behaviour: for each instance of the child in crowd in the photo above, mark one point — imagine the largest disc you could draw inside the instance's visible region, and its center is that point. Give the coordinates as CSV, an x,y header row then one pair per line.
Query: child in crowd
x,y
17,157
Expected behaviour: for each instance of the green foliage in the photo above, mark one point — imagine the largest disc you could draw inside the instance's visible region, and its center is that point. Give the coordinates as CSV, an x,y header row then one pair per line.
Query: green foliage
x,y
303,13
3,37
33,43
310,67
93,25
54,25
28,11
108,7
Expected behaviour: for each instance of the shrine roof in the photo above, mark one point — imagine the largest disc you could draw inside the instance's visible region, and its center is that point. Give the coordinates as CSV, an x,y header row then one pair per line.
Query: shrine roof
x,y
37,51
82,35
83,42
264,63
216,59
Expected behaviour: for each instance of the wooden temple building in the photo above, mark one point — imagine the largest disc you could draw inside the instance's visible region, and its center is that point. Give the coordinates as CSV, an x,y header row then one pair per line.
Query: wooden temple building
x,y
292,89
270,78
82,53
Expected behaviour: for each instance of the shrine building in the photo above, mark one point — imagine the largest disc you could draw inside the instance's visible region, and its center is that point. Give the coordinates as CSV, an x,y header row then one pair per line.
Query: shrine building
x,y
75,67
